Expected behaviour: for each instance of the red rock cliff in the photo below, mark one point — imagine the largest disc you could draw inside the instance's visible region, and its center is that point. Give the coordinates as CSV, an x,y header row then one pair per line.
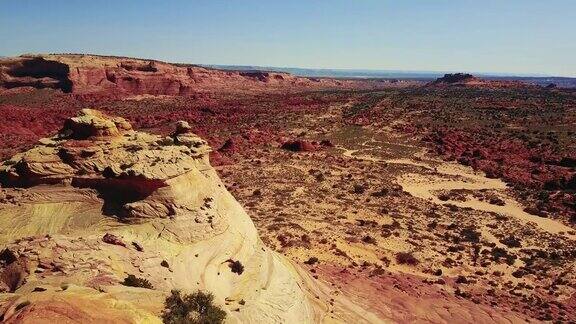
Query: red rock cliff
x,y
90,74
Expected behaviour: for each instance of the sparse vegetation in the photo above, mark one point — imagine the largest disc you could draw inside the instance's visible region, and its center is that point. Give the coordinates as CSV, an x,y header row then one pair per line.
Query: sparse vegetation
x,y
511,241
499,254
406,258
133,281
236,266
470,235
359,189
311,261
369,239
195,308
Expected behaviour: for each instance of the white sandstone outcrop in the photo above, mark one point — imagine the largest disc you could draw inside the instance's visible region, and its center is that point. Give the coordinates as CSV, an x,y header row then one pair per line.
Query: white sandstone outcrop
x,y
102,201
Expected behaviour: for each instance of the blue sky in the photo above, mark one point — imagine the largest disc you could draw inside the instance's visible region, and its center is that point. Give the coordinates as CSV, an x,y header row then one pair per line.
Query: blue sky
x,y
512,36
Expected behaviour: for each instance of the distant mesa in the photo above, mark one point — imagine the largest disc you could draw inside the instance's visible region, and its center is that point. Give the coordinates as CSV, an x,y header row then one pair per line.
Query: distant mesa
x,y
469,80
451,78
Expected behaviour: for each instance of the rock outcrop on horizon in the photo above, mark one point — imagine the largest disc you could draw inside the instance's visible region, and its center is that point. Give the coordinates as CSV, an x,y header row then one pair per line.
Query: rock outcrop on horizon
x,y
469,80
99,202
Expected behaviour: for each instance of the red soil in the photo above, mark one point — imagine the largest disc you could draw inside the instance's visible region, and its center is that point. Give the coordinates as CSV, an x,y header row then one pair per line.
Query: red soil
x,y
404,298
538,167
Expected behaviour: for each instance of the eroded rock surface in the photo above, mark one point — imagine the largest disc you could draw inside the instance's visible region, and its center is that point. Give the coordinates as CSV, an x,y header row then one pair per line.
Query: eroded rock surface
x,y
102,201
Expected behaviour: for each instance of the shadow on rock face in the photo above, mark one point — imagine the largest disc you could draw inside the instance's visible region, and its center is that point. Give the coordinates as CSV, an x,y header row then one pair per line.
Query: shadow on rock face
x,y
116,193
33,72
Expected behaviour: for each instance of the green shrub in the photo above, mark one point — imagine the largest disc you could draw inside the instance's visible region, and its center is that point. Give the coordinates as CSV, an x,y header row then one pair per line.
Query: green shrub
x,y
236,266
133,281
499,253
469,234
406,258
196,308
511,241
311,261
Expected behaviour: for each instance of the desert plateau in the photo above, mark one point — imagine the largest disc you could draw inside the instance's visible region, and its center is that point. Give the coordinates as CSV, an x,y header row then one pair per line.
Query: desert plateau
x,y
287,162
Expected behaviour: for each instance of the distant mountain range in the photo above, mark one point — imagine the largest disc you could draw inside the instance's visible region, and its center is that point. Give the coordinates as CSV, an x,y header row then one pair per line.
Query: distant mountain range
x,y
542,80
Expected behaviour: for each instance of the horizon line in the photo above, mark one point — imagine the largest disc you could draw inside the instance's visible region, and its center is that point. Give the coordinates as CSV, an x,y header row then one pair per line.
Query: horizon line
x,y
438,72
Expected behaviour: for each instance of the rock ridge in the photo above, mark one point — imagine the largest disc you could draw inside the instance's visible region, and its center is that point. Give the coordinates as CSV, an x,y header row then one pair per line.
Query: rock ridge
x,y
94,76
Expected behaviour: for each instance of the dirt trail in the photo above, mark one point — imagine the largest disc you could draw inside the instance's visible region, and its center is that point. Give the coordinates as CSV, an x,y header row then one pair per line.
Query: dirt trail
x,y
449,176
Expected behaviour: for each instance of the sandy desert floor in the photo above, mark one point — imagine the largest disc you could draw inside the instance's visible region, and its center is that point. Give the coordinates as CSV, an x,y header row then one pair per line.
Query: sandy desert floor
x,y
378,206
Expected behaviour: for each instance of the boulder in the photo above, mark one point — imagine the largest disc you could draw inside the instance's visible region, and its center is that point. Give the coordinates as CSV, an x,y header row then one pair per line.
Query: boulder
x,y
94,124
299,146
113,239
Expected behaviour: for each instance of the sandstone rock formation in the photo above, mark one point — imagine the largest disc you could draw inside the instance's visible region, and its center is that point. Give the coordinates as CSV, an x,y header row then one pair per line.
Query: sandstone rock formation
x,y
99,201
457,78
91,75
34,72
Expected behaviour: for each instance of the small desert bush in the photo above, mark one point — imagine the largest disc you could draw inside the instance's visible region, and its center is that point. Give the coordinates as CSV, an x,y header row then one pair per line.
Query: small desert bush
x,y
311,261
196,308
406,258
511,241
133,281
500,253
470,235
369,239
236,266
359,189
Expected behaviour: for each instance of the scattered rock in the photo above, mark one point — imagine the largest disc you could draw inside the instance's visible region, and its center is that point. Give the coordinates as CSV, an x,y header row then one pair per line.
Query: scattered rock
x,y
113,239
182,127
7,257
298,146
137,246
14,275
326,143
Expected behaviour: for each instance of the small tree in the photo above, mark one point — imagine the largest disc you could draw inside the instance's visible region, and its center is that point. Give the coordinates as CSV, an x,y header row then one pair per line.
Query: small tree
x,y
195,308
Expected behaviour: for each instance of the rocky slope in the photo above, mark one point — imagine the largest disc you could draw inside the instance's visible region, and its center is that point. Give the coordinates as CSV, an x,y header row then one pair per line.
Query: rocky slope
x,y
99,201
92,75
